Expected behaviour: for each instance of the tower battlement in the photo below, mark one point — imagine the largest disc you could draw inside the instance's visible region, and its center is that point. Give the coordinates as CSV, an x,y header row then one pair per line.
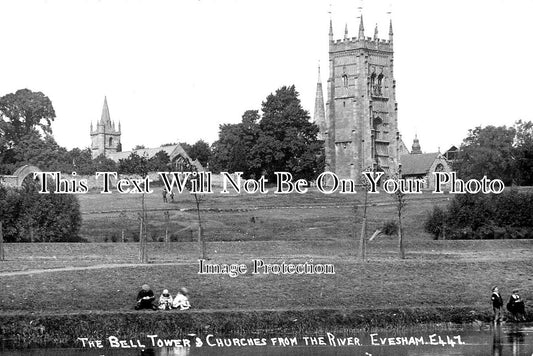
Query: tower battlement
x,y
353,43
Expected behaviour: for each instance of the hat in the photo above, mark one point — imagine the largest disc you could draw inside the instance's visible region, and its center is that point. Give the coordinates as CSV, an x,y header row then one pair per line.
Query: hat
x,y
184,290
146,287
515,290
494,287
165,291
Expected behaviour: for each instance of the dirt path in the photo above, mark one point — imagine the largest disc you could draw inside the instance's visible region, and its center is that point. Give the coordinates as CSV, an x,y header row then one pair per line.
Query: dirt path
x,y
102,266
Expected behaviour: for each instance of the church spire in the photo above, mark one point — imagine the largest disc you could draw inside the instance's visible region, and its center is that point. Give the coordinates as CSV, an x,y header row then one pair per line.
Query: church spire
x,y
319,116
361,29
105,113
376,32
390,31
330,25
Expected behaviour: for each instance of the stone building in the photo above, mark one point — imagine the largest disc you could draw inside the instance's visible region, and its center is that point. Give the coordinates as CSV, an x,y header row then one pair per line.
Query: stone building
x,y
106,140
359,125
418,165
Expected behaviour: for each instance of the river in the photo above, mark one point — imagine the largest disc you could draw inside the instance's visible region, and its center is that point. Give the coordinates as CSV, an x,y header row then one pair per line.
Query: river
x,y
482,340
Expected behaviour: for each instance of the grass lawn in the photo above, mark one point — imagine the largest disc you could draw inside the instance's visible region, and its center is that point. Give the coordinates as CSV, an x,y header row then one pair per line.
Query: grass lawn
x,y
295,228
435,273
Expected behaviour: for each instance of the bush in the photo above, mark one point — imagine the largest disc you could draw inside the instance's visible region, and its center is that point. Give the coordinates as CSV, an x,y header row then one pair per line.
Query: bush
x,y
29,216
480,216
436,222
390,228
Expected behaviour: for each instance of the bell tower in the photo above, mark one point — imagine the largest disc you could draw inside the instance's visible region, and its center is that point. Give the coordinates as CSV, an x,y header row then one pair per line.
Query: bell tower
x,y
361,130
106,138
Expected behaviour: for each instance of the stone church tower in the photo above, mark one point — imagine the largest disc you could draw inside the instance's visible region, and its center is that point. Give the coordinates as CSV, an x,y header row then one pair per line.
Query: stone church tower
x,y
105,139
360,126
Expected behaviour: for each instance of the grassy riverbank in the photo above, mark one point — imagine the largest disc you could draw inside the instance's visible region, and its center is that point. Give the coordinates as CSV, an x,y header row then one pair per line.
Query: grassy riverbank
x,y
54,293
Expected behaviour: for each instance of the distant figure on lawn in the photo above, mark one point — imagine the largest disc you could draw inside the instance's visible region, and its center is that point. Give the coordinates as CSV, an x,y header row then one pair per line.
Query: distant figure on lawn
x,y
172,196
516,306
164,193
497,303
145,298
181,301
165,300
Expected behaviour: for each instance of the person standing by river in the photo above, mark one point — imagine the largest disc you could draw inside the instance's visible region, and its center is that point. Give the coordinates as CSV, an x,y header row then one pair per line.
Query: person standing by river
x,y
516,306
497,303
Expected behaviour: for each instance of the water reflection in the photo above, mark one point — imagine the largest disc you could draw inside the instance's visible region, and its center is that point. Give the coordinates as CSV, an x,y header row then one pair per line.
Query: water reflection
x,y
174,351
518,337
497,346
496,340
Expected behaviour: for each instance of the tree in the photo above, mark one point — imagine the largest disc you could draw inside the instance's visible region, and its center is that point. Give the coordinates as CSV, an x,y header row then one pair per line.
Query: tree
x,y
23,112
523,152
287,140
194,180
488,151
200,151
25,117
80,161
232,151
139,165
104,164
159,162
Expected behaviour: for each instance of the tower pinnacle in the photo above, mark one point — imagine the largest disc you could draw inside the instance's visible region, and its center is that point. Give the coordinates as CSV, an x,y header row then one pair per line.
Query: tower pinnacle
x,y
376,32
361,29
345,31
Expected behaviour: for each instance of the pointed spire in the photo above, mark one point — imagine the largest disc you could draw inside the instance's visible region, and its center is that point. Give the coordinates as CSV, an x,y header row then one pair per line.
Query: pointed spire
x,y
361,29
319,116
390,31
92,126
330,25
105,113
345,31
376,32
119,127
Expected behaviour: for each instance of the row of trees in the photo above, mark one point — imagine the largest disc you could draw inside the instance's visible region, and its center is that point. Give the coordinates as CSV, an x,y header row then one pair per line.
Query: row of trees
x,y
498,152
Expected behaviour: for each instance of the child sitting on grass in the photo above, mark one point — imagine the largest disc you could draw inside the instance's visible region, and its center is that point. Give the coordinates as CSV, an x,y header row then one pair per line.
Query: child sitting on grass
x,y
181,301
165,300
145,298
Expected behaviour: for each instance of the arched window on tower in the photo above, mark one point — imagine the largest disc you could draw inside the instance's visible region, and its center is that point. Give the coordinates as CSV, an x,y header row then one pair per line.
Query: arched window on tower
x,y
379,86
345,81
111,142
373,84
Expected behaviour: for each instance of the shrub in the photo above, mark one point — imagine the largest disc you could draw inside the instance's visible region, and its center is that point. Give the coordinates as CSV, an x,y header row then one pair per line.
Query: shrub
x,y
390,228
480,216
30,216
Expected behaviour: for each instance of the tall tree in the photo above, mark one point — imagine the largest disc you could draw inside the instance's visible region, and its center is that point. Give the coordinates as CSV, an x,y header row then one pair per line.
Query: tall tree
x,y
287,139
233,150
200,151
23,112
488,151
523,152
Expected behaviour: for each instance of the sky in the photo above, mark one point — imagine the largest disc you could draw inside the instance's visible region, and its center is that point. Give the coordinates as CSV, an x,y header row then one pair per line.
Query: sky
x,y
173,71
